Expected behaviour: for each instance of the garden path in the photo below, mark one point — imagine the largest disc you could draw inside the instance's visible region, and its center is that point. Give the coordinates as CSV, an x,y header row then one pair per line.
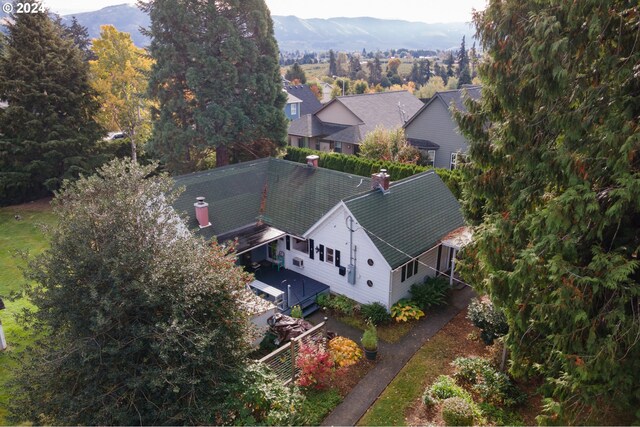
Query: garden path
x,y
392,358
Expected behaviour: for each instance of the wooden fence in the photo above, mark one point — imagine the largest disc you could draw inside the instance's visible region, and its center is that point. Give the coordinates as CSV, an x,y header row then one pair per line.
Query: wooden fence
x,y
282,361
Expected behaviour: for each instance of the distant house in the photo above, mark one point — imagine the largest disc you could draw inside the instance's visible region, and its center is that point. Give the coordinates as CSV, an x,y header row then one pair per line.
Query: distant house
x,y
343,123
310,103
292,107
305,230
434,131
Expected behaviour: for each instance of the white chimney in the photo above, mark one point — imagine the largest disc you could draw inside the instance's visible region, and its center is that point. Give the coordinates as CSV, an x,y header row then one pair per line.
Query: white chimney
x,y
202,212
312,160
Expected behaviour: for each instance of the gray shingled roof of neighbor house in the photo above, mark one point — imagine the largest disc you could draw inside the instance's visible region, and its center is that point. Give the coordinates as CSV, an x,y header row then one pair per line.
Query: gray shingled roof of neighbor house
x,y
387,109
449,97
310,103
410,219
285,195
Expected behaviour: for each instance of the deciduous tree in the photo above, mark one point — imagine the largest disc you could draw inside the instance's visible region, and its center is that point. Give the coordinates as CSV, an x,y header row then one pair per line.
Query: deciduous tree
x,y
554,189
296,73
120,77
388,145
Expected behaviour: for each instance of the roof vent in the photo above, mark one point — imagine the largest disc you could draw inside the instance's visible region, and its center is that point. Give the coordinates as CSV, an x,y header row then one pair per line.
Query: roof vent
x,y
312,161
202,212
381,181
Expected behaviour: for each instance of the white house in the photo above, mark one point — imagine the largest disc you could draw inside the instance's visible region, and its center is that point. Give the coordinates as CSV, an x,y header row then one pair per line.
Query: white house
x,y
305,230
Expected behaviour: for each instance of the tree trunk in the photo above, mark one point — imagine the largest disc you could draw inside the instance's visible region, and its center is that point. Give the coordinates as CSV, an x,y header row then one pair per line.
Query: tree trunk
x,y
222,155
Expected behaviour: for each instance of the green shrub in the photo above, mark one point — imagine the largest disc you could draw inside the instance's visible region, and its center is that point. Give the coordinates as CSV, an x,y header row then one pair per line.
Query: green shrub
x,y
489,319
427,398
499,416
432,293
445,387
343,304
370,339
296,312
323,300
491,385
376,313
457,412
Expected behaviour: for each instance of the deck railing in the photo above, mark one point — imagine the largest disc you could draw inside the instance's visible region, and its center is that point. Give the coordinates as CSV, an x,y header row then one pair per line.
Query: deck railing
x,y
282,361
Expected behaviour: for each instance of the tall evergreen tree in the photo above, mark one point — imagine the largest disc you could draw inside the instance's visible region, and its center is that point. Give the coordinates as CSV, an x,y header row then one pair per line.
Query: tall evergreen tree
x,y
463,72
47,132
296,73
554,188
450,61
80,36
333,66
375,71
354,67
216,79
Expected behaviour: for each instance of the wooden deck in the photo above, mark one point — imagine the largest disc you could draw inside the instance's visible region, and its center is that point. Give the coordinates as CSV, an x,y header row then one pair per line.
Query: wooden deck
x,y
298,289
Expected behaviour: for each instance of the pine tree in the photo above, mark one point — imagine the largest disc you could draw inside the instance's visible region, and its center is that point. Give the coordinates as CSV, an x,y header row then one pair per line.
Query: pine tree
x,y
333,66
216,79
47,132
80,36
450,61
354,67
463,73
554,189
296,73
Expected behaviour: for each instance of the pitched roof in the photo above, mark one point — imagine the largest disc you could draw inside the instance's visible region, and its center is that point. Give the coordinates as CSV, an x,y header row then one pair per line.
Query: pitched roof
x,y
291,99
410,219
449,97
387,109
284,195
310,125
310,103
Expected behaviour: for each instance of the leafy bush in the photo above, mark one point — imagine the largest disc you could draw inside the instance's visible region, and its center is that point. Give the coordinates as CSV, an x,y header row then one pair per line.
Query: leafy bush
x,y
296,312
457,412
370,339
445,387
405,310
376,313
324,300
268,343
345,352
499,416
343,304
316,366
491,385
431,293
489,319
317,406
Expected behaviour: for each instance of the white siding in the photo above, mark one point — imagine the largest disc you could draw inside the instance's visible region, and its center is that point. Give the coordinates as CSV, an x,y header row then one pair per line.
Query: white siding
x,y
332,233
339,114
400,289
435,123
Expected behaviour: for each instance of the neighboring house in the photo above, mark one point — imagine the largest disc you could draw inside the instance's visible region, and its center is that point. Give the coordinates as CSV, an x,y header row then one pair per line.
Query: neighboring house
x,y
343,123
292,107
434,131
310,103
306,230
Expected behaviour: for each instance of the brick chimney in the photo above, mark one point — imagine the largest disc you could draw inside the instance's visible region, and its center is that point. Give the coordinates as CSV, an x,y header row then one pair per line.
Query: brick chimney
x,y
312,160
202,212
380,181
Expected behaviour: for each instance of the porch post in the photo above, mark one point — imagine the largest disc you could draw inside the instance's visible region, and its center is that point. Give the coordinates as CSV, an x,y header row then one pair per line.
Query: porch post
x,y
288,296
453,267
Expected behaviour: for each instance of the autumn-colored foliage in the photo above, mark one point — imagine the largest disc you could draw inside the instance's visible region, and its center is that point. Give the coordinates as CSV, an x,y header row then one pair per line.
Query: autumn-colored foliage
x,y
315,364
345,352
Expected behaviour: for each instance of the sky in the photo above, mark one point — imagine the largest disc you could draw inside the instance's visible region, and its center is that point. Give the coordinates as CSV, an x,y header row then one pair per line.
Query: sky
x,y
430,11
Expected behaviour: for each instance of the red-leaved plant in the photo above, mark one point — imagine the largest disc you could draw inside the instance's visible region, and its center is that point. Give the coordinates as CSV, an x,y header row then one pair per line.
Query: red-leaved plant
x,y
315,364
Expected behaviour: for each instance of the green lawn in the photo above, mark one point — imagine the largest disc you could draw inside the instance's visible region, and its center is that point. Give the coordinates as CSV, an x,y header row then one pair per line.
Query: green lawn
x,y
23,235
430,361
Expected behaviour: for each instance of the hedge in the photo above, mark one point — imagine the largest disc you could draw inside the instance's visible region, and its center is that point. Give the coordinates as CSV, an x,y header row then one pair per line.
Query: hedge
x,y
366,167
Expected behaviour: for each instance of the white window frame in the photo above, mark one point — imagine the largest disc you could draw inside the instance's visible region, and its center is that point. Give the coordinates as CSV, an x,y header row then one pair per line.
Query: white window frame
x,y
431,155
329,255
297,243
294,109
455,157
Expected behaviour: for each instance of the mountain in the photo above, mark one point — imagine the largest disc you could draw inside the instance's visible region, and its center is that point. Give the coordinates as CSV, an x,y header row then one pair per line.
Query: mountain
x,y
124,17
293,33
353,34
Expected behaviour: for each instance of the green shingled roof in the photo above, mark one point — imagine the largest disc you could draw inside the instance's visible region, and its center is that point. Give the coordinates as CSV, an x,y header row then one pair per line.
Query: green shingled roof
x,y
410,219
286,195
